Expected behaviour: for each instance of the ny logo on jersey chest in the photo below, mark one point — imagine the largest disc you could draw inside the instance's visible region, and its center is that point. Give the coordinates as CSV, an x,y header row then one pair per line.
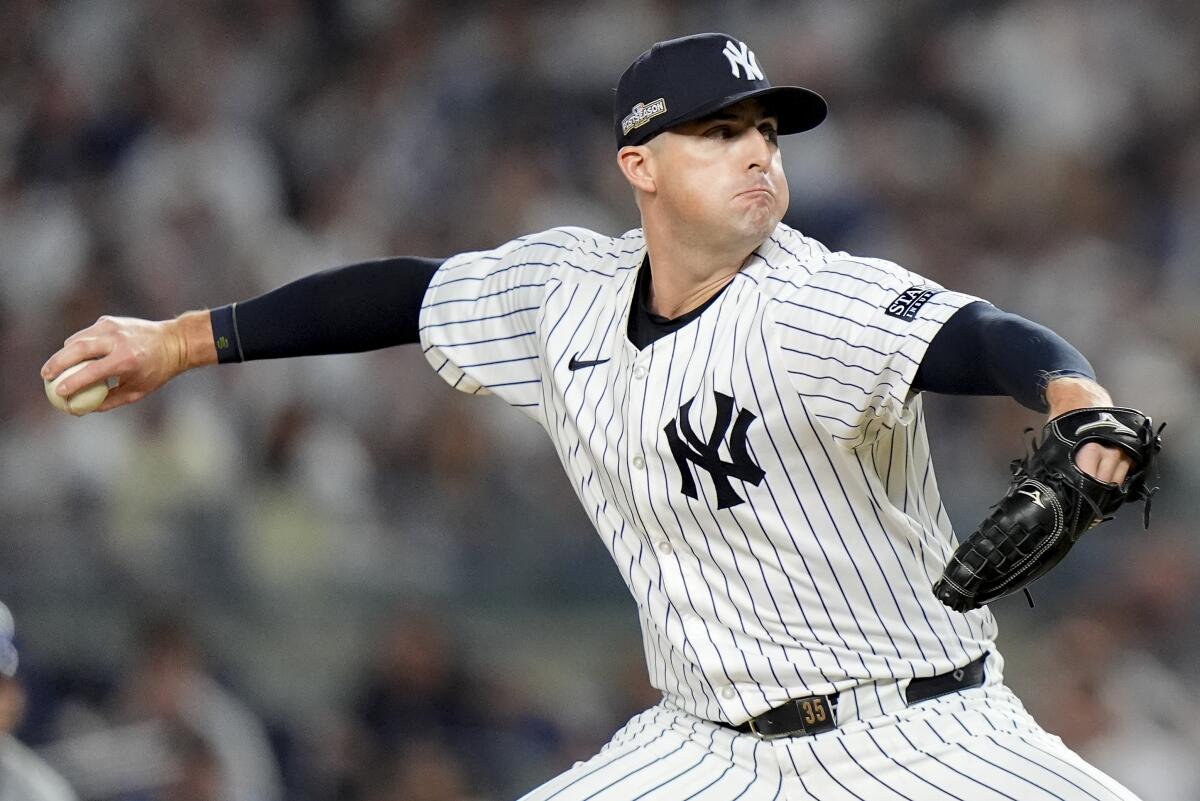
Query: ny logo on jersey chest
x,y
705,454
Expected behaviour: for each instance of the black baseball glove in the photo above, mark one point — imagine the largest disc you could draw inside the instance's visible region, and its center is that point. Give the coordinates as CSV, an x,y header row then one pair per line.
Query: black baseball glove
x,y
1049,505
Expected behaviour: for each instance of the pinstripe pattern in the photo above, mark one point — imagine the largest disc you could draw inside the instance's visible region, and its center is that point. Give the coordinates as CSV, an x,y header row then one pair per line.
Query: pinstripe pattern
x,y
671,756
979,745
811,580
820,580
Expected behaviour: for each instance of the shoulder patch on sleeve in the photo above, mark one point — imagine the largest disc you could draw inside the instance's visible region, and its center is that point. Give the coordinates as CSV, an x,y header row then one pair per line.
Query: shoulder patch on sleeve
x,y
910,301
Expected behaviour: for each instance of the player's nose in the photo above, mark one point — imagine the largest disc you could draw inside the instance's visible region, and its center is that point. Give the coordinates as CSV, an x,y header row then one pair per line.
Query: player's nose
x,y
758,150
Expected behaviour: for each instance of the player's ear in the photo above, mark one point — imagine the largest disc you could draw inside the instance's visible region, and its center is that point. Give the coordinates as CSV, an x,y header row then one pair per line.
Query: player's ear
x,y
637,165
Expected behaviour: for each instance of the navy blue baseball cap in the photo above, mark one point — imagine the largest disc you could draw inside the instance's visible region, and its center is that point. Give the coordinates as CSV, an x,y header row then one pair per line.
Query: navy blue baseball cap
x,y
683,79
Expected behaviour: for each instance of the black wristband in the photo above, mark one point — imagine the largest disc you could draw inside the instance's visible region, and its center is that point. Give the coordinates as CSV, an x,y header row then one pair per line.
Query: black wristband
x,y
225,334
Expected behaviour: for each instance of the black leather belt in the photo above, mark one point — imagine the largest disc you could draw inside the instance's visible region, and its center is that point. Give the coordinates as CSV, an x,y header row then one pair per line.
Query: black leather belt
x,y
801,717
963,678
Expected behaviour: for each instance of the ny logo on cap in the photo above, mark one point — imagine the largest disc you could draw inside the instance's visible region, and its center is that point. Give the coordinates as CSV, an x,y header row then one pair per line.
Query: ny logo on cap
x,y
741,59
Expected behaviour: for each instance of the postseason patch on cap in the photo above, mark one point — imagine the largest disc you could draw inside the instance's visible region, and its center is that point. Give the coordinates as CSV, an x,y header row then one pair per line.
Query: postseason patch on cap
x,y
642,113
910,301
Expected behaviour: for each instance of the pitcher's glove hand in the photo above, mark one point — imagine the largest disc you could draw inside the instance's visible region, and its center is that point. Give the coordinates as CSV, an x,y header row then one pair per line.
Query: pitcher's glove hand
x,y
1049,505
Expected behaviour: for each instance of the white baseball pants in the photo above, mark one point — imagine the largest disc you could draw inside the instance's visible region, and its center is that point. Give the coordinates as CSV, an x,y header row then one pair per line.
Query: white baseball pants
x,y
974,745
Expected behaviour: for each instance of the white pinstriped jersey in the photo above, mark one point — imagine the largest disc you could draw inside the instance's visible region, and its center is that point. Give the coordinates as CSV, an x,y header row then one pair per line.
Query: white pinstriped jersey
x,y
760,476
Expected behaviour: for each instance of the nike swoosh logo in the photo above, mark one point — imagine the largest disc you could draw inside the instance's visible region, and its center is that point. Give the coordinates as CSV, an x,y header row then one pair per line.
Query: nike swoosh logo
x,y
575,364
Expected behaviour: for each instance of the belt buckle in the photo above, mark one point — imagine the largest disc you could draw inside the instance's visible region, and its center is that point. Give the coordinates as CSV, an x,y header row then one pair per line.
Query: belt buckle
x,y
768,737
816,710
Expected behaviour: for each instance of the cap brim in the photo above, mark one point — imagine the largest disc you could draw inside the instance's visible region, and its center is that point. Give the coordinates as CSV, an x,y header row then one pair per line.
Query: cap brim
x,y
797,109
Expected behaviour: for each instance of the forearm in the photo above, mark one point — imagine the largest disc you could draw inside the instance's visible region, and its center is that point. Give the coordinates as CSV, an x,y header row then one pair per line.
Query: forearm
x,y
982,350
348,309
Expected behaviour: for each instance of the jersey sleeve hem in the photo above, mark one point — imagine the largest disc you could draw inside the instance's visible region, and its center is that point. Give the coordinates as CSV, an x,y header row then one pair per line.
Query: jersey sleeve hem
x,y
897,407
441,363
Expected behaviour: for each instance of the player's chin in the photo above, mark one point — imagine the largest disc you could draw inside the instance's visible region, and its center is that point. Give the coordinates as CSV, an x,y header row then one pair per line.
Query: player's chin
x,y
759,218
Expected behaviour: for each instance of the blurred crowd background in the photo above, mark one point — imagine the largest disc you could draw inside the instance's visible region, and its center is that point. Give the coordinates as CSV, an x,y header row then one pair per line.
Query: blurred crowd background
x,y
334,579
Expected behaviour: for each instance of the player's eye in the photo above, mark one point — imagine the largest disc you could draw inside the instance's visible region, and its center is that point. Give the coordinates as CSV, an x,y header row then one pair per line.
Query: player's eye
x,y
719,132
770,133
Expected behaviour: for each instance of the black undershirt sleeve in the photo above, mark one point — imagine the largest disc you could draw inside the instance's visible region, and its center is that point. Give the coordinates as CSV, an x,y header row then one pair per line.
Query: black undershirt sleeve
x,y
349,309
982,350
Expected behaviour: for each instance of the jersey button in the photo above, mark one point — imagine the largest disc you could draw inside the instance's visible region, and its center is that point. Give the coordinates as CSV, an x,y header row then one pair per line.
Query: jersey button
x,y
729,693
639,463
639,372
664,547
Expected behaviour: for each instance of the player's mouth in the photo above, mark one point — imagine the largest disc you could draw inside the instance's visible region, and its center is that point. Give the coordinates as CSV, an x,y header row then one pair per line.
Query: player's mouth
x,y
756,190
756,193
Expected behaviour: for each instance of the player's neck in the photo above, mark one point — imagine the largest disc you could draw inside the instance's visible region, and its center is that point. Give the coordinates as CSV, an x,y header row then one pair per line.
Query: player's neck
x,y
686,274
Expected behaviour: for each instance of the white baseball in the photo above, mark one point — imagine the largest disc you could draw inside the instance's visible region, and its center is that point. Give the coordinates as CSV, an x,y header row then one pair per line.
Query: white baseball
x,y
84,401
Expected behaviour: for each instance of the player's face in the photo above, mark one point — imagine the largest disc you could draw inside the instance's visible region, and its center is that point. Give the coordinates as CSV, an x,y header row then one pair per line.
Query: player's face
x,y
723,174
